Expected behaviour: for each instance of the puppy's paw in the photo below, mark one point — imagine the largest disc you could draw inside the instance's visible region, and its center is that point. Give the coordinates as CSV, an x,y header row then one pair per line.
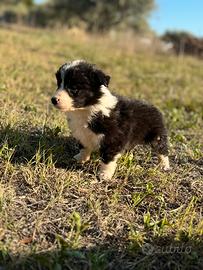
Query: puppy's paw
x,y
106,171
104,176
166,168
164,163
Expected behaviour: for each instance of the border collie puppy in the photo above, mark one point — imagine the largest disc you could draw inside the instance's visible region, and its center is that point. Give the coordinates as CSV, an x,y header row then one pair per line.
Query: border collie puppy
x,y
102,120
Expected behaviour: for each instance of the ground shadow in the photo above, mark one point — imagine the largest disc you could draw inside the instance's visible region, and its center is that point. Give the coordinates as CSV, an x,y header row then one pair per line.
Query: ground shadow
x,y
159,253
27,143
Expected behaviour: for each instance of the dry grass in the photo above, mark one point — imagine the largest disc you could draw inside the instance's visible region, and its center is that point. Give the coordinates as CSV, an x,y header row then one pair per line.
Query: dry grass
x,y
54,214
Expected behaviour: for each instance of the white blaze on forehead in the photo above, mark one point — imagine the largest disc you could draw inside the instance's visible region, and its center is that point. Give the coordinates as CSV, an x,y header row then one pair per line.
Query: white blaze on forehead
x,y
71,64
75,63
67,66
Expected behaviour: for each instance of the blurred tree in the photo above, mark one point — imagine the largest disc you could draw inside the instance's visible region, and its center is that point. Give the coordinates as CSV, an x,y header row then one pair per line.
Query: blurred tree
x,y
103,15
15,11
184,43
28,3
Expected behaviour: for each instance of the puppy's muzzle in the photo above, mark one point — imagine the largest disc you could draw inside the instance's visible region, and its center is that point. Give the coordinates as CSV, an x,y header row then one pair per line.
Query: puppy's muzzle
x,y
55,100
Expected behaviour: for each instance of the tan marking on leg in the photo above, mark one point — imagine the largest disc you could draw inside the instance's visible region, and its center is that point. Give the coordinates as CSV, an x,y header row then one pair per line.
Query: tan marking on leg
x,y
83,156
164,162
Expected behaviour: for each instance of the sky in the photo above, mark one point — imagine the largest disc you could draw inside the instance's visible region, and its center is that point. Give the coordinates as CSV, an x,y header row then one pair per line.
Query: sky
x,y
181,15
184,15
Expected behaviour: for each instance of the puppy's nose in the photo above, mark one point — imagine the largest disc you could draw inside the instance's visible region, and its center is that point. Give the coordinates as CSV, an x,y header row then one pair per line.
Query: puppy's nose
x,y
54,100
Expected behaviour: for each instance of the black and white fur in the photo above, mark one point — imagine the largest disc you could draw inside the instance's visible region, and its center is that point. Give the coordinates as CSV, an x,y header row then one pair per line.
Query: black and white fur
x,y
101,120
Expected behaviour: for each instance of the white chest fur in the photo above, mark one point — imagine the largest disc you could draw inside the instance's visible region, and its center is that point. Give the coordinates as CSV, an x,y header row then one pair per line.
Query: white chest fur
x,y
78,123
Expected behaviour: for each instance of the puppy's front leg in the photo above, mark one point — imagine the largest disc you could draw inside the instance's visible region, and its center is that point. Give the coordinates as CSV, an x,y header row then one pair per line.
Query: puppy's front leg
x,y
107,170
83,155
109,162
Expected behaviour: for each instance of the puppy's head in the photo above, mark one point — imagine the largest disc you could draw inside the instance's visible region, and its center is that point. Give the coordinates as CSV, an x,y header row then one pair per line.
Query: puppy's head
x,y
78,86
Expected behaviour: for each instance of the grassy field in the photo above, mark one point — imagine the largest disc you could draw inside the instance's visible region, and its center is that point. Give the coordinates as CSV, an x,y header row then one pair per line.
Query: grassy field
x,y
54,214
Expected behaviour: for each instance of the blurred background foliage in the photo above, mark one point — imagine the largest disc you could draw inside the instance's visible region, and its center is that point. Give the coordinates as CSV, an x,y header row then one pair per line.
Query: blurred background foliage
x,y
95,16
92,15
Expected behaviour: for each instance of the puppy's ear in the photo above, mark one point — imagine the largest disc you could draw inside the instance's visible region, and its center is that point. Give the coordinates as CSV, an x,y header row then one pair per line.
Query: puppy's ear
x,y
100,78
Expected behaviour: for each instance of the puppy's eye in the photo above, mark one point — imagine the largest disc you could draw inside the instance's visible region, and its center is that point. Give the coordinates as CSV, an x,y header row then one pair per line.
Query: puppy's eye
x,y
73,91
